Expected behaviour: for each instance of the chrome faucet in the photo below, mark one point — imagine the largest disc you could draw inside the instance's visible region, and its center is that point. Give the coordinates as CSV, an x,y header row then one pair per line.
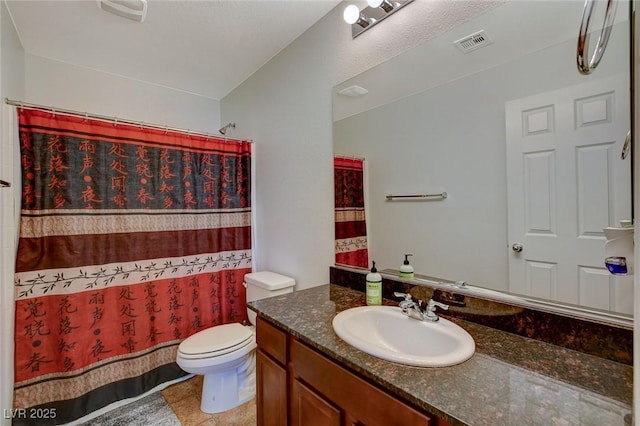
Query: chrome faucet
x,y
414,309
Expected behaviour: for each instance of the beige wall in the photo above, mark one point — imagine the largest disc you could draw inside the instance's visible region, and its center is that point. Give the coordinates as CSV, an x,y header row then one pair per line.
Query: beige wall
x,y
285,107
66,86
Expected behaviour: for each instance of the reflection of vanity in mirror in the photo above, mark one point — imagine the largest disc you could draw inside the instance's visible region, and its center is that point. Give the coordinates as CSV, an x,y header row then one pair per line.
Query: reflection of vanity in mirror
x,y
526,148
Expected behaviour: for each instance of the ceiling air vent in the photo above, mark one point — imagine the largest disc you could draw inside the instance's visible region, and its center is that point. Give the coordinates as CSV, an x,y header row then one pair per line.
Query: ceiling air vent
x,y
353,91
136,10
473,42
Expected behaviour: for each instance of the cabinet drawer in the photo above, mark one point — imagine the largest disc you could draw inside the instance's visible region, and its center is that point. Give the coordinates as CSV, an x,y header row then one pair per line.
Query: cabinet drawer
x,y
363,401
271,340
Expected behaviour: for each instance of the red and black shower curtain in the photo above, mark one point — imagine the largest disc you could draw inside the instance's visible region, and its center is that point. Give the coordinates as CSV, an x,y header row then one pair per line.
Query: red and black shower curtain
x,y
131,240
351,231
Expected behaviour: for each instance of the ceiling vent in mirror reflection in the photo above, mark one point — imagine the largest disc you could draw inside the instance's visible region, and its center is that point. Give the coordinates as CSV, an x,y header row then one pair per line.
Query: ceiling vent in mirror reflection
x,y
473,41
136,10
353,91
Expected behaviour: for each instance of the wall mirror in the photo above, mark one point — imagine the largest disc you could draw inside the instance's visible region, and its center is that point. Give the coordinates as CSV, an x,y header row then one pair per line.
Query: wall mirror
x,y
527,149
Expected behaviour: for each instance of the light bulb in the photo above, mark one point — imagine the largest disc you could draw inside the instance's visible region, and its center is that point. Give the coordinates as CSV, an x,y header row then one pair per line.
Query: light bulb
x,y
351,14
385,5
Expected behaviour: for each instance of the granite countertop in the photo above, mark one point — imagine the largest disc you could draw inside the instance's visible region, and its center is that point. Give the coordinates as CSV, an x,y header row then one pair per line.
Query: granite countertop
x,y
510,380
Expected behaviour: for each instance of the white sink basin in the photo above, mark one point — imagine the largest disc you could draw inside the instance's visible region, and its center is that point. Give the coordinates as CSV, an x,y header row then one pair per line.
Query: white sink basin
x,y
385,332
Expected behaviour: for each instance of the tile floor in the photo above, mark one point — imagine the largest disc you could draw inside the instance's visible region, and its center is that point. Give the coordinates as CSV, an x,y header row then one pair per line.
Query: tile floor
x,y
184,399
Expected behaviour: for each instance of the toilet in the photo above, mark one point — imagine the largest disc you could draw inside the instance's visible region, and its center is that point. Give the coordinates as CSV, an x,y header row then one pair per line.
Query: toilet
x,y
225,354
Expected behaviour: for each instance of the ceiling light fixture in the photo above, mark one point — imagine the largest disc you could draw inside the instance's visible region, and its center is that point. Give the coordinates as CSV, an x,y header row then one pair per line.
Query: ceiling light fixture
x,y
136,10
362,20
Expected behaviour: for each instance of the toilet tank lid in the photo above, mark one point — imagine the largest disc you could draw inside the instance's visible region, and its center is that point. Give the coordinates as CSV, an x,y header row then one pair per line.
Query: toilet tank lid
x,y
269,280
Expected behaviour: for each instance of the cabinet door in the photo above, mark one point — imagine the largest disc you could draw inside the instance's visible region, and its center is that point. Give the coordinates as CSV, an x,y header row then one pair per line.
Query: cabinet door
x,y
271,391
364,403
310,409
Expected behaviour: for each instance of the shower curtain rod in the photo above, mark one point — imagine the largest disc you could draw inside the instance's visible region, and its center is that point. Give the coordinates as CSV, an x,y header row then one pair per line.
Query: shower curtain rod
x,y
117,120
350,157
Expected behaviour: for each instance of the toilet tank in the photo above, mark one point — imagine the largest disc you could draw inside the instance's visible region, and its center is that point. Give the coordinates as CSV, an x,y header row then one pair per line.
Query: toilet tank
x,y
261,285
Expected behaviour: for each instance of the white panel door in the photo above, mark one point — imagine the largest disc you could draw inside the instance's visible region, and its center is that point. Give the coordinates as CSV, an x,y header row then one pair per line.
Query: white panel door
x,y
566,182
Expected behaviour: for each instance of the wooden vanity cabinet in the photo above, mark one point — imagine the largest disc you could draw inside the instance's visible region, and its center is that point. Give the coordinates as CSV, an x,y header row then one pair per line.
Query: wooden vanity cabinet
x,y
298,386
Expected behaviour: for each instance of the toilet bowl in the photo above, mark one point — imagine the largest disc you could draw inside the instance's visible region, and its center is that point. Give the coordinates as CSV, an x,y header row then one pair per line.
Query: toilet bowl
x,y
225,354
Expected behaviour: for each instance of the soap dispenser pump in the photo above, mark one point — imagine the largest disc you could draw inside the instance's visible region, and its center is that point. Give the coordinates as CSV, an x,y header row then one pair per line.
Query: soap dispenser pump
x,y
406,270
374,287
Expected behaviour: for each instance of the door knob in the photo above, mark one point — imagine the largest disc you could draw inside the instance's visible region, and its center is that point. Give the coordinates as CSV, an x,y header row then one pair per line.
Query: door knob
x,y
517,247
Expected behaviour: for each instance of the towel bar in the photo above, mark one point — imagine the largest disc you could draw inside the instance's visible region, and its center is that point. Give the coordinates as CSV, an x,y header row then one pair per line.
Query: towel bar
x,y
441,195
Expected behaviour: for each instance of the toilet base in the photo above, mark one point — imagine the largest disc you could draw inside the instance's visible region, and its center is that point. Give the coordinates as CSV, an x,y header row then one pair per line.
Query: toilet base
x,y
224,390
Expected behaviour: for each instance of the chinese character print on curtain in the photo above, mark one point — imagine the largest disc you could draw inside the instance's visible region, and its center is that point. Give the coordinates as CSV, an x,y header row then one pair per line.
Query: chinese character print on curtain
x,y
131,240
351,228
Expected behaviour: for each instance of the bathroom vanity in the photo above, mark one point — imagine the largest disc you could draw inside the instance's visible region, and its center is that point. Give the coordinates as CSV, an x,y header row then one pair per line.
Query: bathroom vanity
x,y
297,380
306,375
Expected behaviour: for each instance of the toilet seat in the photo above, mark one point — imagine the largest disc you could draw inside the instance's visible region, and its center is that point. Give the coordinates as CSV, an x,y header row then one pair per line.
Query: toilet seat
x,y
216,341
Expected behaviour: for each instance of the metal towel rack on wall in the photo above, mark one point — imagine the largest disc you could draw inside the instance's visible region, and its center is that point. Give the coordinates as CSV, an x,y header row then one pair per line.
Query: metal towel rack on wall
x,y
440,196
587,66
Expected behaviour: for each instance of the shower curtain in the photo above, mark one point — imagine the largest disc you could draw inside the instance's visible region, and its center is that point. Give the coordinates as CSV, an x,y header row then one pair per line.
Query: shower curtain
x,y
351,230
131,240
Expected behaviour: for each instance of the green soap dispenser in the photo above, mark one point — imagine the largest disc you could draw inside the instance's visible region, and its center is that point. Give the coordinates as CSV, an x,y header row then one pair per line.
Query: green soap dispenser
x,y
374,287
406,270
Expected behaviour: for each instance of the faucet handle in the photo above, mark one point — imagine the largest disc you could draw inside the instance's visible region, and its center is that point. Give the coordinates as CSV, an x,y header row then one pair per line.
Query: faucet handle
x,y
407,303
430,312
431,306
406,296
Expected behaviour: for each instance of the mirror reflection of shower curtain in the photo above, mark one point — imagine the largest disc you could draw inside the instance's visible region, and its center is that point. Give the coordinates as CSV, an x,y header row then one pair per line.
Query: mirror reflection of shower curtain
x,y
351,245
